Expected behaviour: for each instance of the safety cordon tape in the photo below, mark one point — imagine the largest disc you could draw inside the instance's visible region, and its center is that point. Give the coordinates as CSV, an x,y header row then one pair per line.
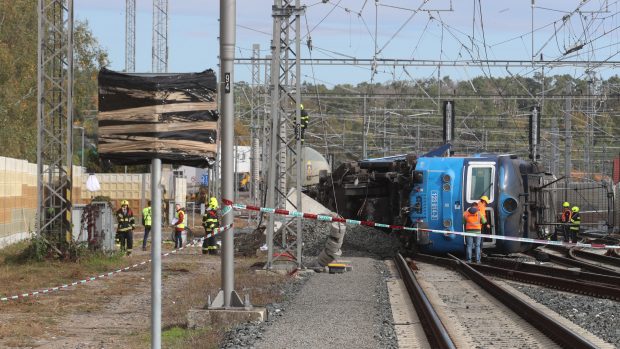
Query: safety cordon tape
x,y
106,275
326,218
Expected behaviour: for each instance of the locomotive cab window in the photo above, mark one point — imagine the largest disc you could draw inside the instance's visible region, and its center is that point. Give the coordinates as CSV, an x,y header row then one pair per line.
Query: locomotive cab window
x,y
480,181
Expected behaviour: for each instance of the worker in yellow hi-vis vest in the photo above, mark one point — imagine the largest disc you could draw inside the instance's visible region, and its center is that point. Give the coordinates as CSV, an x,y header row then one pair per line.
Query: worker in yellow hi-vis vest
x,y
146,222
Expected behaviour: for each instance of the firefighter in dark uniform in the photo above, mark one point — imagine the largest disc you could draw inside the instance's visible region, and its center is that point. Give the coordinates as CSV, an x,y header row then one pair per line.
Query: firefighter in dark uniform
x,y
575,221
126,224
305,119
210,222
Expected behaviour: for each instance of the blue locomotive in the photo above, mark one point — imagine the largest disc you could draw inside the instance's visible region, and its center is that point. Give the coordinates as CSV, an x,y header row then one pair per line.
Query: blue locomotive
x,y
444,187
432,191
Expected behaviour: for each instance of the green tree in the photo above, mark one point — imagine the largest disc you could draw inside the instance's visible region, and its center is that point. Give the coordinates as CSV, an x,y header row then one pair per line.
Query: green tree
x,y
18,77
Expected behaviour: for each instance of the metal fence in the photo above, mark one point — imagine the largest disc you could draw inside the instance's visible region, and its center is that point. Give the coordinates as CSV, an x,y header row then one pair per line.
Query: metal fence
x,y
597,202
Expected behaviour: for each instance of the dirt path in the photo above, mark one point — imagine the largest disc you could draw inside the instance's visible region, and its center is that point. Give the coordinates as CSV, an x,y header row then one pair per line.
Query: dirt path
x,y
112,313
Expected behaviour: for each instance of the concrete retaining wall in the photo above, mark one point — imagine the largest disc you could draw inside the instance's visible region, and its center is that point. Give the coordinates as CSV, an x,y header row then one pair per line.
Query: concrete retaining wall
x,y
18,194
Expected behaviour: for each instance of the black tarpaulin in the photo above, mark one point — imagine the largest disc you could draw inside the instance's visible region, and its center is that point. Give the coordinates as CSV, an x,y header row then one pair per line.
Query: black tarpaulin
x,y
172,117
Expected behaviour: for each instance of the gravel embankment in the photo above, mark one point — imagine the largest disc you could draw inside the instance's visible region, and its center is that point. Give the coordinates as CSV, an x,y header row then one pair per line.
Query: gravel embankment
x,y
349,310
599,316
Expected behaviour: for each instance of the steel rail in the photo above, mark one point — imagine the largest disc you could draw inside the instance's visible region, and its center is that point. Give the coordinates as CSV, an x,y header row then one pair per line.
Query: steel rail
x,y
552,329
579,253
434,329
579,264
557,272
573,286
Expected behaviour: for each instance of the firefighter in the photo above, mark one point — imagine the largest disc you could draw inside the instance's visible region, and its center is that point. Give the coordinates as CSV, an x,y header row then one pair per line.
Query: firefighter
x,y
179,226
305,119
474,220
126,224
210,222
243,183
482,206
575,223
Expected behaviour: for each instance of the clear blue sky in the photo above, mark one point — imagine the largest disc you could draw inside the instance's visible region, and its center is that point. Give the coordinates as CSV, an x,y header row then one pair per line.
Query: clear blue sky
x,y
346,28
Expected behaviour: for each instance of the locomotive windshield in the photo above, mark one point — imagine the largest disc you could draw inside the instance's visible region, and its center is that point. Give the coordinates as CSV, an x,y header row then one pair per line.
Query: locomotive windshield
x,y
480,181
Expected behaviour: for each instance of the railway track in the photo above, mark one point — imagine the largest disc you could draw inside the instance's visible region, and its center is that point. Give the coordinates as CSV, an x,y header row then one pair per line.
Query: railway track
x,y
577,253
436,333
493,329
573,281
571,273
598,264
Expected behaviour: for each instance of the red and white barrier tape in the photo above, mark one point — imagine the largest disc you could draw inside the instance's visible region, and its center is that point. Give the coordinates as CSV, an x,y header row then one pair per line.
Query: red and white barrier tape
x,y
219,230
326,218
105,275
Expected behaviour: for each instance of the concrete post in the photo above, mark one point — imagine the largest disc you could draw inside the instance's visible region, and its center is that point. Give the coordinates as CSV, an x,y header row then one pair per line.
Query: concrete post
x,y
156,255
227,54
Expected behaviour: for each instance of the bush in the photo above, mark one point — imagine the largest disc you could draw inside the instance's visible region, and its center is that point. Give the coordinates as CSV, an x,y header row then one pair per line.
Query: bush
x,y
37,250
77,251
40,249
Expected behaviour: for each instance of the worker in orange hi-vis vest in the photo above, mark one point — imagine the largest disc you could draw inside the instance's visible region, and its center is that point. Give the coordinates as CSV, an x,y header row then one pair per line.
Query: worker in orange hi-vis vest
x,y
179,226
473,220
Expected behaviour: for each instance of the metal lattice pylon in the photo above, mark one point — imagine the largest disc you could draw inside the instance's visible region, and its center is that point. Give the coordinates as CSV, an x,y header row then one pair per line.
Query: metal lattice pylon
x,y
55,120
130,36
160,36
285,152
265,133
254,125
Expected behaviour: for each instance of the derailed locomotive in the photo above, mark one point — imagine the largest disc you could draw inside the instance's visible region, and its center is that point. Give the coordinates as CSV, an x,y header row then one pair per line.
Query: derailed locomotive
x,y
432,191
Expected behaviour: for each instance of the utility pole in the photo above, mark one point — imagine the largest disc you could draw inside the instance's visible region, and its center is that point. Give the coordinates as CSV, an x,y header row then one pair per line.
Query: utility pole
x,y
55,122
159,64
589,142
534,133
227,297
555,155
156,208
448,122
385,116
364,132
286,119
568,138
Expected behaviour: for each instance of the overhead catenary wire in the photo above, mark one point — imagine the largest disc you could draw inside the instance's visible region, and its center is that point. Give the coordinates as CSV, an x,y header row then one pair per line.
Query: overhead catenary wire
x,y
474,46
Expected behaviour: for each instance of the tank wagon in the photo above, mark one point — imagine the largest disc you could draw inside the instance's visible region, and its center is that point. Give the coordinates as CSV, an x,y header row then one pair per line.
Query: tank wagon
x,y
432,191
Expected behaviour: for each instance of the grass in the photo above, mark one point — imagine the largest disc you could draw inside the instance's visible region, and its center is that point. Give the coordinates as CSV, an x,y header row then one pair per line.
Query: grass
x,y
178,337
262,289
188,280
19,276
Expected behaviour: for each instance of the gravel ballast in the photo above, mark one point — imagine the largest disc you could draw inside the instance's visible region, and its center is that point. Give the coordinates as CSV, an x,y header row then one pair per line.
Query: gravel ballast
x,y
601,317
348,310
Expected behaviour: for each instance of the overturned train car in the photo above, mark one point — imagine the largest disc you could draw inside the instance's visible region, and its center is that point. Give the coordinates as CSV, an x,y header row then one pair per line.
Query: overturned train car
x,y
431,192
